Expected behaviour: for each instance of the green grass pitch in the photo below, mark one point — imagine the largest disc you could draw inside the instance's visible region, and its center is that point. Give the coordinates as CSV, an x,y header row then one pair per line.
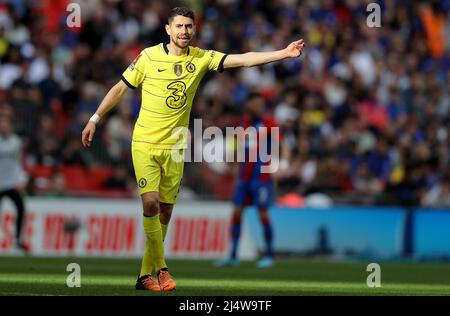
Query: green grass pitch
x,y
47,276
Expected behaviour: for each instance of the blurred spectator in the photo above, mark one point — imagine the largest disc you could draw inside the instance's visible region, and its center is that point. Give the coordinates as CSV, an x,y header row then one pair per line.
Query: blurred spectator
x,y
45,147
119,179
366,183
58,185
287,110
87,104
439,195
119,131
379,161
73,153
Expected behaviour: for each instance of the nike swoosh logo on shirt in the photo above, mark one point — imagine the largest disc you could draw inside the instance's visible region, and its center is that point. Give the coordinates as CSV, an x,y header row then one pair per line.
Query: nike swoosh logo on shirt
x,y
159,70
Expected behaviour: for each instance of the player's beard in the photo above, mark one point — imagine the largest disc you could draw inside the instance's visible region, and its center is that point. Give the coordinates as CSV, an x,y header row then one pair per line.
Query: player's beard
x,y
178,42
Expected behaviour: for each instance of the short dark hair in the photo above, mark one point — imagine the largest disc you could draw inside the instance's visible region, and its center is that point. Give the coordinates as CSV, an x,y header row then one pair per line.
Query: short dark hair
x,y
183,11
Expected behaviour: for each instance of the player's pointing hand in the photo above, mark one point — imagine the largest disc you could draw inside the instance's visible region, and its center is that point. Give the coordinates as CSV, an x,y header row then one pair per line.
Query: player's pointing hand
x,y
295,49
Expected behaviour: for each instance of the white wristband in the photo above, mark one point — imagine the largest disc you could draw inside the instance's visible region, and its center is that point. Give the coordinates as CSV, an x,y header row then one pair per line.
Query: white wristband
x,y
95,118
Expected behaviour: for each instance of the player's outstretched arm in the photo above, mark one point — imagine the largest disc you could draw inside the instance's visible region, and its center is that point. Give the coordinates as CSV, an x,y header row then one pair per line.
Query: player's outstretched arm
x,y
113,97
250,59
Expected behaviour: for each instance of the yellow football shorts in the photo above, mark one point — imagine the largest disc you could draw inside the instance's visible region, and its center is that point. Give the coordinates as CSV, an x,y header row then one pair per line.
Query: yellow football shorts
x,y
158,170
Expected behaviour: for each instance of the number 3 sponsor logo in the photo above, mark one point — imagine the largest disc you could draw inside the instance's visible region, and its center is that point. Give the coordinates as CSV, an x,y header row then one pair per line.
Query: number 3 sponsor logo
x,y
178,96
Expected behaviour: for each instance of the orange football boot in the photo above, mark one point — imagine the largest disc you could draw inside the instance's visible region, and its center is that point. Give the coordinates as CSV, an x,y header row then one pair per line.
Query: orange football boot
x,y
165,281
147,282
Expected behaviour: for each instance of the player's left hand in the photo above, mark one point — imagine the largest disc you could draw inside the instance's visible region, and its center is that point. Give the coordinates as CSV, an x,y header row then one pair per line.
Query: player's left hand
x,y
295,49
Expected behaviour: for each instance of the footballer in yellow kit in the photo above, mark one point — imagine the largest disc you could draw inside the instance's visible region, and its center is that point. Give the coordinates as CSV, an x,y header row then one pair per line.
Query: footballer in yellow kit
x,y
169,83
169,75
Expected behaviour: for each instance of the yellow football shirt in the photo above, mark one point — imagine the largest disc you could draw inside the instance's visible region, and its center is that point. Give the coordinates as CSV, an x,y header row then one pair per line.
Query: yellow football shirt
x,y
169,84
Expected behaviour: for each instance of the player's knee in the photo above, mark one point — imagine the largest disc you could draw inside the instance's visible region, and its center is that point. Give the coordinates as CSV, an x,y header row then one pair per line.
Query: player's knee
x,y
151,205
166,214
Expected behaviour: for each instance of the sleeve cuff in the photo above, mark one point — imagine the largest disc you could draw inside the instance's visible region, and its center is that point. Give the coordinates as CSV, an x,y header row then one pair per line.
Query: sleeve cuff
x,y
220,68
127,83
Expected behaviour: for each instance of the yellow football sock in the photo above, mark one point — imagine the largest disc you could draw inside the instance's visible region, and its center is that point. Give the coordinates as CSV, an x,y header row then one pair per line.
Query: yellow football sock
x,y
147,261
164,230
154,250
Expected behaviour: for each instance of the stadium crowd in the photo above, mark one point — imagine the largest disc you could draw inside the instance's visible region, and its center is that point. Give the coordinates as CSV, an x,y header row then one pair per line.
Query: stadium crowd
x,y
365,111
